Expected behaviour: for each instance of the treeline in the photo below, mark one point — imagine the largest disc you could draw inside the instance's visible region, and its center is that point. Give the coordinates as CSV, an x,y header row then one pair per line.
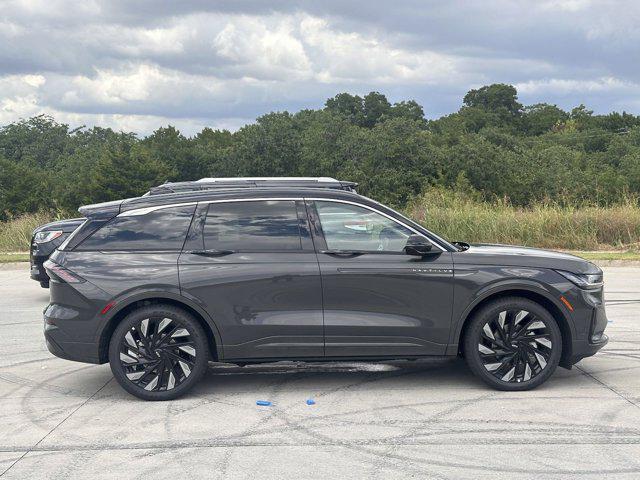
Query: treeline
x,y
493,146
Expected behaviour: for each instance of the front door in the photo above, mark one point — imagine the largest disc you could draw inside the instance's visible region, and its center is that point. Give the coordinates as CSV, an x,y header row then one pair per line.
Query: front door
x,y
252,267
378,301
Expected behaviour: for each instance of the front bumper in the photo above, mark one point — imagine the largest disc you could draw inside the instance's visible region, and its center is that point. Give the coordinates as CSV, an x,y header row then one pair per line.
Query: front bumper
x,y
37,271
595,322
587,349
40,253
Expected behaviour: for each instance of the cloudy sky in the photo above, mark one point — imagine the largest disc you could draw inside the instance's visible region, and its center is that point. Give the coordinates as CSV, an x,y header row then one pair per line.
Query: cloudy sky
x,y
138,65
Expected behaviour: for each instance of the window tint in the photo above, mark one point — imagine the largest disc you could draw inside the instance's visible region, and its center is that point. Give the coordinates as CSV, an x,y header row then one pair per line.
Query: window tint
x,y
264,225
163,229
349,227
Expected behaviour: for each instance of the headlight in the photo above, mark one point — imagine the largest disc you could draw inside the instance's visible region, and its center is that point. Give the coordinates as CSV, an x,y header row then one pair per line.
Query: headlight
x,y
591,280
47,236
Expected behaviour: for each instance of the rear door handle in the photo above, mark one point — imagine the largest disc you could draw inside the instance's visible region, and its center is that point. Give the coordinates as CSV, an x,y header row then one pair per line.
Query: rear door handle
x,y
212,253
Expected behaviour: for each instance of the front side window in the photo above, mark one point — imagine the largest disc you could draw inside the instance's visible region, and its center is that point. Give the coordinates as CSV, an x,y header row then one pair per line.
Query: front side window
x,y
163,229
254,226
350,227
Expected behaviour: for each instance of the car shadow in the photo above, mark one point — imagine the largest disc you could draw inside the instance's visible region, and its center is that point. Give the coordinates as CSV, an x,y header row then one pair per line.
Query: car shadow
x,y
328,376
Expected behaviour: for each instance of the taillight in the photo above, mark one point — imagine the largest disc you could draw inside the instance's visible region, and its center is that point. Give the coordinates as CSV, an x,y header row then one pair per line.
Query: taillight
x,y
58,272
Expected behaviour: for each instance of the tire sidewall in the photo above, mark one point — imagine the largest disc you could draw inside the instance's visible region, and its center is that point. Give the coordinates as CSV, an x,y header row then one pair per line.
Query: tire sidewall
x,y
472,355
195,330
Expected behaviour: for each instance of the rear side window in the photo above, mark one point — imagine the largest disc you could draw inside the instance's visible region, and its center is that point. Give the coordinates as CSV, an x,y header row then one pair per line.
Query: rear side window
x,y
163,229
255,226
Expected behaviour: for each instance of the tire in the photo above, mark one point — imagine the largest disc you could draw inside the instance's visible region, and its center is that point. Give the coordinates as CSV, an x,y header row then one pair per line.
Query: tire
x,y
513,344
158,352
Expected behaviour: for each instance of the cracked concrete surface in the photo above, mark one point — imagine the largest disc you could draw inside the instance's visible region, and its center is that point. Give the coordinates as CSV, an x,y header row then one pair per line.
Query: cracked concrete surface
x,y
432,419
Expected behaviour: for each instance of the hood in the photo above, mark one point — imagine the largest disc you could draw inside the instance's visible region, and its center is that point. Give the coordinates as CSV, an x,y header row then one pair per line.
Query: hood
x,y
490,254
66,226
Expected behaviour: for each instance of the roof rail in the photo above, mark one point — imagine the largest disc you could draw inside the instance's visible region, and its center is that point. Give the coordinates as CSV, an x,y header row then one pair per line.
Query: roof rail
x,y
266,179
251,182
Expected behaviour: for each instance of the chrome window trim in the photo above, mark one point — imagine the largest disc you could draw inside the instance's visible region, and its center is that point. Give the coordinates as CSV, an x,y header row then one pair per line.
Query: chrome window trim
x,y
143,211
378,212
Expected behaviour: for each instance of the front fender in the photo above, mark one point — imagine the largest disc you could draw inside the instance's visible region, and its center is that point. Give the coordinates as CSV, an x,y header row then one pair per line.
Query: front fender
x,y
469,299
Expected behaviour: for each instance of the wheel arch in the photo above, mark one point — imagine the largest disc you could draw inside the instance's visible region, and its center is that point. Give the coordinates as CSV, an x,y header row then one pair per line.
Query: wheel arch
x,y
123,307
564,322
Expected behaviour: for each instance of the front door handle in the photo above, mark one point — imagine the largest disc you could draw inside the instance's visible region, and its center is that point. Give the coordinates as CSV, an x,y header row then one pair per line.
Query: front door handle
x,y
343,253
212,252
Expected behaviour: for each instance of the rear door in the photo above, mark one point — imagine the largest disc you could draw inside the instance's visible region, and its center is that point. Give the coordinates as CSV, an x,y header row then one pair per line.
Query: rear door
x,y
378,301
251,264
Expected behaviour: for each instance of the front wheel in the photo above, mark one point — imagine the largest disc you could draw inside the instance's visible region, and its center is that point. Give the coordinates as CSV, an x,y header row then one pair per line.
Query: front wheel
x,y
513,344
158,352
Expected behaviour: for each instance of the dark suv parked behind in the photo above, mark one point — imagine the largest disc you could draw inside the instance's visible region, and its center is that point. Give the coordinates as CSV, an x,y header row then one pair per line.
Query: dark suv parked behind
x,y
306,270
45,239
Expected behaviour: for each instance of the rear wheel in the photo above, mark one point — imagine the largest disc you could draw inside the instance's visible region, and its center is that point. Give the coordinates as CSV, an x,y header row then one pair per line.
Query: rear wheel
x,y
158,352
513,344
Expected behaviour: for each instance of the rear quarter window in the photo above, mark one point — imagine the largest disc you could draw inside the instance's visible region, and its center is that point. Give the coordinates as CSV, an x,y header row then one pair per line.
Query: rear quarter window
x,y
163,229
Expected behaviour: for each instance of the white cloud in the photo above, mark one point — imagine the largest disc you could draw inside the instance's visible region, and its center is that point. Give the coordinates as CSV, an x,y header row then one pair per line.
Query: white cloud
x,y
354,57
109,87
19,96
565,5
565,86
261,51
143,64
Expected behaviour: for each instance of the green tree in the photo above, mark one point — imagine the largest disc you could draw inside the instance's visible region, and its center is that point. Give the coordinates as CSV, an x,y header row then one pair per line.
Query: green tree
x,y
22,190
123,172
542,118
375,107
497,98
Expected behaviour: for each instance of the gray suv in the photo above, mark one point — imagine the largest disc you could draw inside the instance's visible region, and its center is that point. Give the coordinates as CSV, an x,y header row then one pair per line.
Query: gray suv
x,y
261,270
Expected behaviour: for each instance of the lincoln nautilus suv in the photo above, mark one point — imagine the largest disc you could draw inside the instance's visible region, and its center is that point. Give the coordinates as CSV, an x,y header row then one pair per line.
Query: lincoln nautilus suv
x,y
253,270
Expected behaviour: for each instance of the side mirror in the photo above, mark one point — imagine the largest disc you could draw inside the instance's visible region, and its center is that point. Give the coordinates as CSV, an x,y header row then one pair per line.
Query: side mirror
x,y
418,246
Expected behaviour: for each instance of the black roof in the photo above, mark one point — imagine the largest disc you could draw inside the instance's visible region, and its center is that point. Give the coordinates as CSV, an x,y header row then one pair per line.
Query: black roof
x,y
188,196
235,192
198,190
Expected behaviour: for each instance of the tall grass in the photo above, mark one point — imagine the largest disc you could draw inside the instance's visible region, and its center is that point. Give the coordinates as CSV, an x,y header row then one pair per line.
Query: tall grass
x,y
460,216
15,234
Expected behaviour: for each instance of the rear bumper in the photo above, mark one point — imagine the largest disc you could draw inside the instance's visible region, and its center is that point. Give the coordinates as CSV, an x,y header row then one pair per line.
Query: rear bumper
x,y
62,345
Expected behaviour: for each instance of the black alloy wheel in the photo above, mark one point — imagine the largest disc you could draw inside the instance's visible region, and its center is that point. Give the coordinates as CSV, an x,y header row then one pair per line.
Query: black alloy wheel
x,y
158,352
513,344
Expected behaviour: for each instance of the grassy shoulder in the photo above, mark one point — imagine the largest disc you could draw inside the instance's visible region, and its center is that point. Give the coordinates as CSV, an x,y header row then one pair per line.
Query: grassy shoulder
x,y
14,257
15,234
464,217
628,255
592,232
